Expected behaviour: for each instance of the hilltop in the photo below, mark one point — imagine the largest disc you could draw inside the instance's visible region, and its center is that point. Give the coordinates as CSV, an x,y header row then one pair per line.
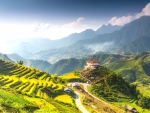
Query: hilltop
x,y
106,83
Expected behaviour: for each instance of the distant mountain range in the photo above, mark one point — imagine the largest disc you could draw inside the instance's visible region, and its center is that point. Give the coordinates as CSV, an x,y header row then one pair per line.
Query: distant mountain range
x,y
4,56
27,48
39,64
125,40
105,29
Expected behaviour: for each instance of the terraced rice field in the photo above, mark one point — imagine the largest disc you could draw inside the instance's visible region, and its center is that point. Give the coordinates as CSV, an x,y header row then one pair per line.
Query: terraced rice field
x,y
31,84
27,80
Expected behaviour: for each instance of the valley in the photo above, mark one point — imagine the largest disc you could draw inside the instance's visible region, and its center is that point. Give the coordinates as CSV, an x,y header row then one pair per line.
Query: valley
x,y
75,61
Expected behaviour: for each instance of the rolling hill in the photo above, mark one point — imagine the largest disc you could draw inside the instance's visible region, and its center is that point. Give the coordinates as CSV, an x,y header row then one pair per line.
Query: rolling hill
x,y
133,70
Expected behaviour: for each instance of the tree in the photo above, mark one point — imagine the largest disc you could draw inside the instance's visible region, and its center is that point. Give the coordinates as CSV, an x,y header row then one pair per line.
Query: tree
x,y
20,62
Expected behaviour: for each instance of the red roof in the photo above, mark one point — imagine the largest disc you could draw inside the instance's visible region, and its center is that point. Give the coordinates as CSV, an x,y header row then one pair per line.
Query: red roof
x,y
92,61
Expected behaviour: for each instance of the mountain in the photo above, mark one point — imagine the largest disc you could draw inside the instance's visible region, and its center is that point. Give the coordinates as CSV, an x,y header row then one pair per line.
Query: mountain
x,y
4,56
107,29
66,65
106,43
28,47
132,70
15,57
133,67
71,64
34,45
139,45
127,34
39,64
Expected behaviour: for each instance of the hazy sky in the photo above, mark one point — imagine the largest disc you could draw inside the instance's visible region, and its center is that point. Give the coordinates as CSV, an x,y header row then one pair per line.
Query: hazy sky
x,y
58,18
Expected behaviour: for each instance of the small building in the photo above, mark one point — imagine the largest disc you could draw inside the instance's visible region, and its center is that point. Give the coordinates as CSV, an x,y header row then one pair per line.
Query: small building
x,y
131,109
76,85
67,90
92,64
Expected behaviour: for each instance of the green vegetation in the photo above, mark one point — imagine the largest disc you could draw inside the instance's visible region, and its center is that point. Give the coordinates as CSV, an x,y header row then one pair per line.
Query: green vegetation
x,y
133,70
95,106
13,103
137,46
143,101
20,62
66,65
25,89
133,104
111,86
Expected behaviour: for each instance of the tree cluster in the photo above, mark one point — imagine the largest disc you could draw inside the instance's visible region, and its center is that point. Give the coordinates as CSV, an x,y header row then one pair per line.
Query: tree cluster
x,y
143,101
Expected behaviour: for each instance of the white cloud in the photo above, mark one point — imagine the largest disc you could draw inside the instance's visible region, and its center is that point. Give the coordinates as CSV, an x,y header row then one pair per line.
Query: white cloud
x,y
44,30
73,24
39,26
126,19
145,11
121,21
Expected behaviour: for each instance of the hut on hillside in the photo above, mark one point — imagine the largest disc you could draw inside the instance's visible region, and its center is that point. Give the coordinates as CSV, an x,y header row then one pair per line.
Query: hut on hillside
x,y
93,64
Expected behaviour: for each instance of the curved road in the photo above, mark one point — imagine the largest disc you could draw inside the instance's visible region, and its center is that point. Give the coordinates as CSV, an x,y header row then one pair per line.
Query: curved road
x,y
78,100
79,104
85,85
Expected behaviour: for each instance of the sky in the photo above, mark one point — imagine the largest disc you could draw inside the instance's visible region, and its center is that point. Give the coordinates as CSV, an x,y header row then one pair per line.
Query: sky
x,y
56,19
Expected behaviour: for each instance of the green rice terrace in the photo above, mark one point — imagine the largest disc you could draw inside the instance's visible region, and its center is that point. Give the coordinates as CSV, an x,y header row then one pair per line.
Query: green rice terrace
x,y
25,89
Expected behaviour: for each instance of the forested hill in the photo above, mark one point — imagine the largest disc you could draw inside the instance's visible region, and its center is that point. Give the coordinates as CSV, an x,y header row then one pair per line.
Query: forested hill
x,y
108,84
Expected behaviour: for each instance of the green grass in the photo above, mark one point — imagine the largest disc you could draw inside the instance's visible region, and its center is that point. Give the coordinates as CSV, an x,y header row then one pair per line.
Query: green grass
x,y
43,105
11,102
25,87
132,103
144,89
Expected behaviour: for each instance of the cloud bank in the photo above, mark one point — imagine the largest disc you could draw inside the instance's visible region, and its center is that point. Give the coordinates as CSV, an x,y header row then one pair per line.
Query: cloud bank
x,y
44,30
126,19
100,47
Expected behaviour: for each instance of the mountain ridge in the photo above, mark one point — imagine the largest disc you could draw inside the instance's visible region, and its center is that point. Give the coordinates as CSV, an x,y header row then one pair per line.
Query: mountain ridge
x,y
107,43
